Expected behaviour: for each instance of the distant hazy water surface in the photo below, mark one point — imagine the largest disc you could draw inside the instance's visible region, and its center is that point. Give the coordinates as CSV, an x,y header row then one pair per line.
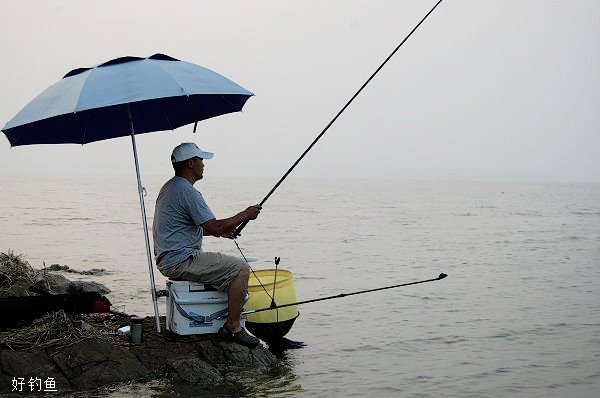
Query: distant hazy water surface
x,y
519,314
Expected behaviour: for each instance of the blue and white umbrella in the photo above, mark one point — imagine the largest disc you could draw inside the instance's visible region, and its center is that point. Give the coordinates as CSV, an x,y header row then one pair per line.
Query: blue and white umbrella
x,y
124,97
107,101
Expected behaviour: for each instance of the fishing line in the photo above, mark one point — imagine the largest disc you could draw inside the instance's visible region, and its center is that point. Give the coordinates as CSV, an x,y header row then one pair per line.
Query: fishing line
x,y
273,305
254,273
242,225
440,277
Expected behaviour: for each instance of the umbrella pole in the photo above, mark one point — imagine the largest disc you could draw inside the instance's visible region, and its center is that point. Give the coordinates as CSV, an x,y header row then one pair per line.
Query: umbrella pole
x,y
143,210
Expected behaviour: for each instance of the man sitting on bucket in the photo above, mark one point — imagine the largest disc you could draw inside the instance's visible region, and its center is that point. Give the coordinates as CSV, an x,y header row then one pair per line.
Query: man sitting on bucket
x,y
181,218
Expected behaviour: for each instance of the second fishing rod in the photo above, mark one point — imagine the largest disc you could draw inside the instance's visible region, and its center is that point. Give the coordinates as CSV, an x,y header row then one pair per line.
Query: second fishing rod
x,y
242,225
275,306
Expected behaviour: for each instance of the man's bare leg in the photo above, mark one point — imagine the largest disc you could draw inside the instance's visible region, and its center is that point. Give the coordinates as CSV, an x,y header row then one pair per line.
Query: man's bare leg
x,y
236,293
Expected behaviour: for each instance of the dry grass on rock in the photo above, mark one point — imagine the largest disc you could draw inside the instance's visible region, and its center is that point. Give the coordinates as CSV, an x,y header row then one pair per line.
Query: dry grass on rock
x,y
13,268
55,328
59,329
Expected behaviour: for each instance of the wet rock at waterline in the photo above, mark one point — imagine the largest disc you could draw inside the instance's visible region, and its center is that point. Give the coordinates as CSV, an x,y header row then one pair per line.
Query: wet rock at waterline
x,y
66,268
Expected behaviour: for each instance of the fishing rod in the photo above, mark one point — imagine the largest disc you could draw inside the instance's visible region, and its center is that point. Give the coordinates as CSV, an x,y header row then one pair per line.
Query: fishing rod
x,y
273,306
242,225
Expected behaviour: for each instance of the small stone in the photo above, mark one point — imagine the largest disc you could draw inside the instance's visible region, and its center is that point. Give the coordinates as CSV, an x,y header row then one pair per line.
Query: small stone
x,y
57,267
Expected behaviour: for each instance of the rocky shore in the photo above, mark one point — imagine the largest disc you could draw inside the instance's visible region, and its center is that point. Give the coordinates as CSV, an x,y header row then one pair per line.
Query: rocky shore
x,y
205,361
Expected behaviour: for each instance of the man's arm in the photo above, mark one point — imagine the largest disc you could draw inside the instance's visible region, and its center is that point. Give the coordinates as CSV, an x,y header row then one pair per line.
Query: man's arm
x,y
226,226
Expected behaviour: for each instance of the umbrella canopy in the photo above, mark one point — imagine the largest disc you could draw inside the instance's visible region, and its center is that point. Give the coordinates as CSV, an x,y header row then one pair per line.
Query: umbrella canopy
x,y
93,104
121,97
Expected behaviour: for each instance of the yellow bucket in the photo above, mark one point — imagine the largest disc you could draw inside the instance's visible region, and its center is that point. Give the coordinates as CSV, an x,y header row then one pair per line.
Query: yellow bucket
x,y
284,293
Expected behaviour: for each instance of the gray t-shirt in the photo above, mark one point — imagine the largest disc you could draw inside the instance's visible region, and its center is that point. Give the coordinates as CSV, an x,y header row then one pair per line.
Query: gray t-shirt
x,y
178,217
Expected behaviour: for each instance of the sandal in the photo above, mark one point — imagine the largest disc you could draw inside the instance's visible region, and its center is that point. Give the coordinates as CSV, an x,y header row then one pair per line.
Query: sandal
x,y
242,337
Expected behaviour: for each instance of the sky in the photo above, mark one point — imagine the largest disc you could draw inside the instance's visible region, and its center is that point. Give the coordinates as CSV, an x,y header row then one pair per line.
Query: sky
x,y
483,90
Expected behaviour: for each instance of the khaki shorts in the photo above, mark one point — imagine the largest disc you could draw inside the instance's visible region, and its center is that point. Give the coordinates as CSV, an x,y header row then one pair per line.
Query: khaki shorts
x,y
213,268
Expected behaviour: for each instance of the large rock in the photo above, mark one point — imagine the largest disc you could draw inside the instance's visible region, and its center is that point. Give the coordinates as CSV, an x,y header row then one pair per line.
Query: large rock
x,y
50,283
77,287
29,365
46,282
89,364
195,370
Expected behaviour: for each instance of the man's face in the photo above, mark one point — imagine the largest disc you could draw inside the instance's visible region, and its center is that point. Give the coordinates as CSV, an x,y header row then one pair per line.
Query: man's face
x,y
198,167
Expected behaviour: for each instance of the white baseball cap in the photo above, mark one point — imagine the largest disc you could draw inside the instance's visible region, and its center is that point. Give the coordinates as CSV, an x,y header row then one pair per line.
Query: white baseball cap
x,y
188,150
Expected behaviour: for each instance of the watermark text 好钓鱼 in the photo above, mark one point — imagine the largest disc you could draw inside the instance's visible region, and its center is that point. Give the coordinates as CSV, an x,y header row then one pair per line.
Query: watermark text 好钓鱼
x,y
20,384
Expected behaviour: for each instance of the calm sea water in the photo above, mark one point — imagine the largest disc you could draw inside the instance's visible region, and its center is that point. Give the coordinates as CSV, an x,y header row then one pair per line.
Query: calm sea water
x,y
519,314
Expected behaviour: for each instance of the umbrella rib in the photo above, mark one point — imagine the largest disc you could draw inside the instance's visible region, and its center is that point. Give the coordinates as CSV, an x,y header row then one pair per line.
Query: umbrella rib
x,y
83,86
166,117
85,126
166,72
225,99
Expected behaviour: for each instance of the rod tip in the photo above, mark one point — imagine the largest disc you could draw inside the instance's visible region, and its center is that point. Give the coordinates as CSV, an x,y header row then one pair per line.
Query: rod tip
x,y
442,276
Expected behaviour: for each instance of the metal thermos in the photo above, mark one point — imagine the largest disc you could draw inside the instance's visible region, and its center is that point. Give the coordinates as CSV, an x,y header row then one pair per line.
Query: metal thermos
x,y
136,329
